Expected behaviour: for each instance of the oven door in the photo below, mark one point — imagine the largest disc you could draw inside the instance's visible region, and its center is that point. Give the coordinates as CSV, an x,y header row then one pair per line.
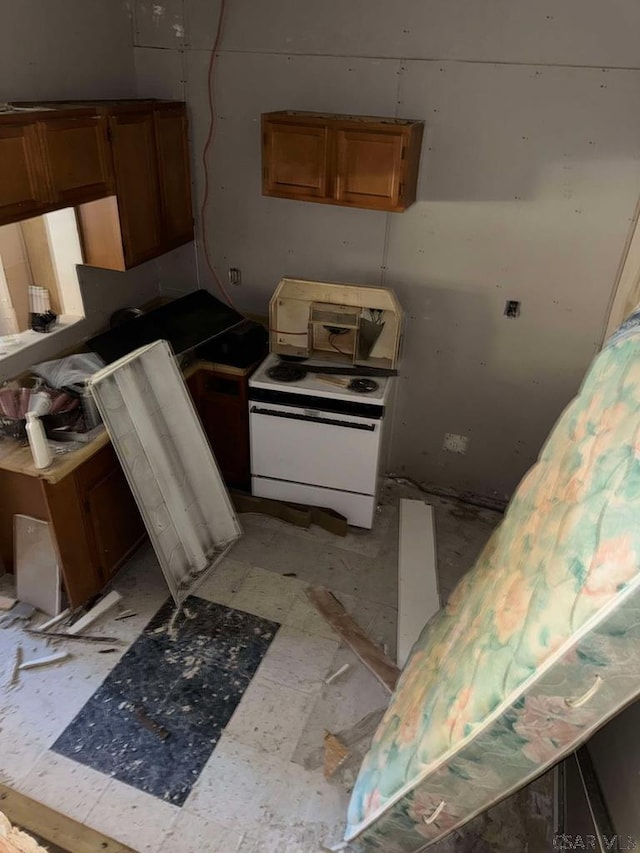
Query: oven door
x,y
310,446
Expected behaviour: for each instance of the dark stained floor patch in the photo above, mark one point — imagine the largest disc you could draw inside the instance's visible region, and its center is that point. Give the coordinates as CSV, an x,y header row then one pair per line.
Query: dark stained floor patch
x,y
156,719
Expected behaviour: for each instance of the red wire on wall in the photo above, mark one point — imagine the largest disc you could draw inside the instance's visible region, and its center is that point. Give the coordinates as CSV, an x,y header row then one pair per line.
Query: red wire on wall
x,y
205,154
207,146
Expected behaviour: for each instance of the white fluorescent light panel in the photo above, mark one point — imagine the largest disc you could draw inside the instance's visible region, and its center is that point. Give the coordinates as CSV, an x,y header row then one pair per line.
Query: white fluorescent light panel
x,y
168,462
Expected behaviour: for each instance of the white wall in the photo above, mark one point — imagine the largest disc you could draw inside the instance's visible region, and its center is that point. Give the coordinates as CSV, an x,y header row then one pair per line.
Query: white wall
x,y
67,49
530,176
73,49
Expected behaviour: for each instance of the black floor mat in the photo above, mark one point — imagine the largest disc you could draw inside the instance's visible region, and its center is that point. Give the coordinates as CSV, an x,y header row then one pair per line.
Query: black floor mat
x,y
155,720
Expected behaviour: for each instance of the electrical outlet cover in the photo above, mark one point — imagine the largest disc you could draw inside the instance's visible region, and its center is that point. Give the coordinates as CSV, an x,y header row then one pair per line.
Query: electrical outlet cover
x,y
455,443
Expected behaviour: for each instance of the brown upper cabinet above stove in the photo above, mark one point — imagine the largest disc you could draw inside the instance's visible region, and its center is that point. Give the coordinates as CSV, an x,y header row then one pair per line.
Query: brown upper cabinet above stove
x,y
123,164
355,161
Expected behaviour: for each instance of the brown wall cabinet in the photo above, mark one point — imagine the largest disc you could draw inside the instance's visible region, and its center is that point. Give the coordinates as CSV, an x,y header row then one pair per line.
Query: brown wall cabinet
x,y
24,190
76,151
137,186
356,161
153,214
123,164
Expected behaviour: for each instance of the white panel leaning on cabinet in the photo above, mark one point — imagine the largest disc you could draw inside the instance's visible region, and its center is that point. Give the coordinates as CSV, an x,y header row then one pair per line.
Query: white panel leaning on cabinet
x,y
168,463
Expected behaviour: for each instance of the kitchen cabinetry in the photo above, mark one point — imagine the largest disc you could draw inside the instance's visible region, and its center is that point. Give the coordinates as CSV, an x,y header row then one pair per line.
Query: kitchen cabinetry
x,y
153,189
137,186
76,152
123,164
172,147
220,395
356,161
85,497
23,185
111,518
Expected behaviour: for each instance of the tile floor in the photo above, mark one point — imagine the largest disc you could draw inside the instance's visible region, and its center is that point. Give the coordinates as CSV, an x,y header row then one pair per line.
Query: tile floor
x,y
260,792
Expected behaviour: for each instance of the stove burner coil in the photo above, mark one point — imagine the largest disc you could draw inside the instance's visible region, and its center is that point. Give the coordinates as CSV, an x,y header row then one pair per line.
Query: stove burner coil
x,y
363,386
287,372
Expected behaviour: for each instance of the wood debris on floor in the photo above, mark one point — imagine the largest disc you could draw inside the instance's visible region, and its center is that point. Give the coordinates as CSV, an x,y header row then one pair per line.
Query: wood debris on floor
x,y
371,655
14,840
343,752
335,754
53,826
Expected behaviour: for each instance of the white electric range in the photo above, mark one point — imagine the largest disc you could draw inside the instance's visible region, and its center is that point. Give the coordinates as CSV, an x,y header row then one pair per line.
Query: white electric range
x,y
316,439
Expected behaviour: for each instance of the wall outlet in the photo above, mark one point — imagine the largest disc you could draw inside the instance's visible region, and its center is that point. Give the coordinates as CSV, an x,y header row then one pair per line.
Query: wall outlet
x,y
235,276
455,443
512,309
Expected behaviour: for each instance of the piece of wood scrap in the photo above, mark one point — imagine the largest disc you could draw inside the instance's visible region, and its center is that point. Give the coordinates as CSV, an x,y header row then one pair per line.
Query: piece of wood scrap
x,y
55,827
362,645
51,623
335,754
300,515
14,840
55,657
82,638
418,595
106,603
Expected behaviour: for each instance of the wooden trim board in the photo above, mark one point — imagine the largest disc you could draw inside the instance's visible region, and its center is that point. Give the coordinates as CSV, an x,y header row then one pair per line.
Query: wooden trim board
x,y
366,650
418,596
55,827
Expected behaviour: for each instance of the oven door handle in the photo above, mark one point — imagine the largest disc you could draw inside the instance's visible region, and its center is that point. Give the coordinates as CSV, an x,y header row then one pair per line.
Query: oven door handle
x,y
314,419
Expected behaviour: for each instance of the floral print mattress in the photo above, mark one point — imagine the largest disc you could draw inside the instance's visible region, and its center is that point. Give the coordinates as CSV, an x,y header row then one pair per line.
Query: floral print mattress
x,y
539,644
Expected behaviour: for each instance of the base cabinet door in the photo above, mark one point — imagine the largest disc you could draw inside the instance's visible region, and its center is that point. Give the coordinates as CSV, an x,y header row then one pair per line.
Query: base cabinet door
x,y
113,524
115,521
221,402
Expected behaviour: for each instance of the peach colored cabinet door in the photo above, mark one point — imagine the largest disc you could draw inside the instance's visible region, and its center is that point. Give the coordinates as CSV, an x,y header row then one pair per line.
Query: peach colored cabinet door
x,y
134,158
77,155
172,145
369,168
295,160
24,190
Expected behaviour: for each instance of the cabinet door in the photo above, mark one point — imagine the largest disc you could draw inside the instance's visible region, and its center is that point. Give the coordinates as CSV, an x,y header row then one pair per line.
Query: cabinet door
x,y
369,168
115,520
23,185
78,158
295,160
222,405
113,523
172,145
134,160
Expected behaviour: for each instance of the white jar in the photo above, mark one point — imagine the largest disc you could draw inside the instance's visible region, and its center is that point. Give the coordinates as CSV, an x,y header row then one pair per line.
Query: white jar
x,y
40,449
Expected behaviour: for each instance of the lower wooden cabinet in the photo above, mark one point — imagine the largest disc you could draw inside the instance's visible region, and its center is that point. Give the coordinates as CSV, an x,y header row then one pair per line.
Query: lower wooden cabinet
x,y
94,519
96,523
112,522
220,397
